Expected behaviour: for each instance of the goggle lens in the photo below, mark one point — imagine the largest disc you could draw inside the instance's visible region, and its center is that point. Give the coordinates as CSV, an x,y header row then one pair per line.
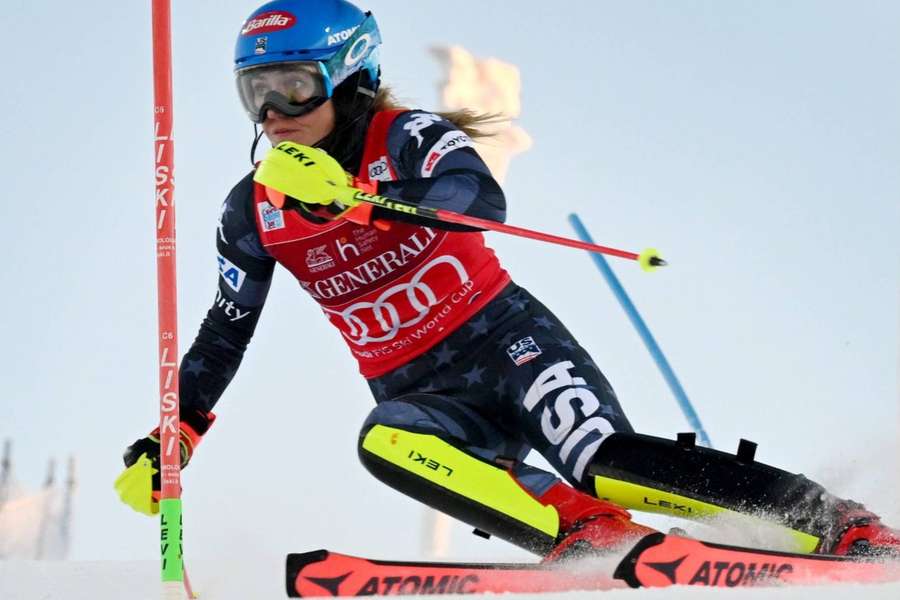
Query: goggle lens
x,y
290,88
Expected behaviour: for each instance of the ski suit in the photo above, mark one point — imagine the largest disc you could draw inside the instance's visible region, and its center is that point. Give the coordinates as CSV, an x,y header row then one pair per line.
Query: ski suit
x,y
449,345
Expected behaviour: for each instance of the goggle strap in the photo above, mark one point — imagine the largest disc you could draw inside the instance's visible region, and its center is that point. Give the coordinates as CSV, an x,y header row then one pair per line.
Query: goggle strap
x,y
257,135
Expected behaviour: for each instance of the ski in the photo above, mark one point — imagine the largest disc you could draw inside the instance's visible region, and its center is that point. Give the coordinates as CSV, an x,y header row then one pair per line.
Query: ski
x,y
661,560
323,573
658,560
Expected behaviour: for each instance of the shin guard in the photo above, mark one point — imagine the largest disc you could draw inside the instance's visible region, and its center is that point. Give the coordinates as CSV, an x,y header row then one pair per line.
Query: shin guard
x,y
678,478
453,481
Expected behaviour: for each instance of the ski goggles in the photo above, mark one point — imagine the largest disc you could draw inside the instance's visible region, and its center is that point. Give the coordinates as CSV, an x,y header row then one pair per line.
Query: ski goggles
x,y
299,87
293,88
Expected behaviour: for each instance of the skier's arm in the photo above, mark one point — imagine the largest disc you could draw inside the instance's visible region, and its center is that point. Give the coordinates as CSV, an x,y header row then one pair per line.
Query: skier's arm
x,y
438,168
245,272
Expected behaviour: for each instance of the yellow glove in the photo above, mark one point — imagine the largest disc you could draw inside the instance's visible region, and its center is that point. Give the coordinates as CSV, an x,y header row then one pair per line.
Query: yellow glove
x,y
138,485
135,486
306,174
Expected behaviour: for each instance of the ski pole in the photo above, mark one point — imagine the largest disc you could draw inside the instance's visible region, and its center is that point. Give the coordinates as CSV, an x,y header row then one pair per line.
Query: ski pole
x,y
644,332
649,259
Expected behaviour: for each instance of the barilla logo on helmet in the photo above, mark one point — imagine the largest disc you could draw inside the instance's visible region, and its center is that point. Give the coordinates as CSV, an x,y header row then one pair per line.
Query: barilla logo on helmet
x,y
268,22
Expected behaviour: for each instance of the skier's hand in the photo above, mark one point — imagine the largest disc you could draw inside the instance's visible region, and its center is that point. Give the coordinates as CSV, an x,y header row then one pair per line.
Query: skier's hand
x,y
308,175
138,485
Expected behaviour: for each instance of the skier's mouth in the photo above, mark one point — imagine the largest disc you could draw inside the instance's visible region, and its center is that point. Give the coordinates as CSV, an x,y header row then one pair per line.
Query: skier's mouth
x,y
288,134
284,131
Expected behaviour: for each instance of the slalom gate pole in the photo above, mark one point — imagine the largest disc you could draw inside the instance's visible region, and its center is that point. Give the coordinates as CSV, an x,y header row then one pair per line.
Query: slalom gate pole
x,y
648,259
634,316
172,572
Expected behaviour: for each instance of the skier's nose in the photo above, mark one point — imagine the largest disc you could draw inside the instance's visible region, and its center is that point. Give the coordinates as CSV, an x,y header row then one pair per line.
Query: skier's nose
x,y
272,113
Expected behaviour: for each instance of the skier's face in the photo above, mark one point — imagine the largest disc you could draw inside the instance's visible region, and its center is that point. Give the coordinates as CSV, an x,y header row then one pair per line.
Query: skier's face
x,y
307,129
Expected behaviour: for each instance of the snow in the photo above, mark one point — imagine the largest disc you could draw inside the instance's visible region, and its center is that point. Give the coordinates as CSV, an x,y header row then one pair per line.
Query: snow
x,y
260,579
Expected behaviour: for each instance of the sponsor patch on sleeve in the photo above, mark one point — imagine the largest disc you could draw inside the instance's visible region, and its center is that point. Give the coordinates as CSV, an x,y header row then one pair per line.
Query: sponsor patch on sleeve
x,y
523,351
231,273
421,121
379,170
450,141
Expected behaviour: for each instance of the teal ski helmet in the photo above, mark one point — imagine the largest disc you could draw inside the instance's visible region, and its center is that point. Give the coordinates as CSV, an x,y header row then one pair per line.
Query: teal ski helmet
x,y
291,55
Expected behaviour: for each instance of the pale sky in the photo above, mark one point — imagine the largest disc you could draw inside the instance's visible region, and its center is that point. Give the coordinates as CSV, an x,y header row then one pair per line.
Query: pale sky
x,y
755,144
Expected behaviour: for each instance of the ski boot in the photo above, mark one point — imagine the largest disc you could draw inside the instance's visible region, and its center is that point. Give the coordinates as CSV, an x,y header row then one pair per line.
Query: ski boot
x,y
859,532
588,526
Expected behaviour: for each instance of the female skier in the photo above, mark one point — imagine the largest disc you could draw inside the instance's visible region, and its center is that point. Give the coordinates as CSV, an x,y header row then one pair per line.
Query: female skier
x,y
468,370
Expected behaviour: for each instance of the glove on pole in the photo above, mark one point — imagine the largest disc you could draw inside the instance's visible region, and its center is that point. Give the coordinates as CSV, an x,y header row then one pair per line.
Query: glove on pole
x,y
138,485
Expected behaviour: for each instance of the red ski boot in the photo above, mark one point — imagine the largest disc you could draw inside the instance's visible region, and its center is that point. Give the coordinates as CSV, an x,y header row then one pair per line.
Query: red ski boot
x,y
858,532
588,526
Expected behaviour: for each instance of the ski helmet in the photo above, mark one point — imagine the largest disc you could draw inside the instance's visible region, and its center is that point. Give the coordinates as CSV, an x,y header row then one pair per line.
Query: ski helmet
x,y
292,54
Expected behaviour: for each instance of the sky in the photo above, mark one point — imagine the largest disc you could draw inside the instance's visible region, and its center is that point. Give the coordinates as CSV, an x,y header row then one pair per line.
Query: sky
x,y
755,144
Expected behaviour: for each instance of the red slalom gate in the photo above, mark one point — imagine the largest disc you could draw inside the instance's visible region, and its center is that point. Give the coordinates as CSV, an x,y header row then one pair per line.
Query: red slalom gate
x,y
172,568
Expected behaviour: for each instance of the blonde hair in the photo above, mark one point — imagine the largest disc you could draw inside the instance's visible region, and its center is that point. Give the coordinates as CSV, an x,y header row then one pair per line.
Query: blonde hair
x,y
473,124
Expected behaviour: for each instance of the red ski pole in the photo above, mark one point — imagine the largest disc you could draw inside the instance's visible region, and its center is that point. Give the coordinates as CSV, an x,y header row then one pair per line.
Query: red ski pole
x,y
649,259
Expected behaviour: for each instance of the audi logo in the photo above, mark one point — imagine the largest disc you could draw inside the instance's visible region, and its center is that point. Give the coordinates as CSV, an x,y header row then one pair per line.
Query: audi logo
x,y
384,311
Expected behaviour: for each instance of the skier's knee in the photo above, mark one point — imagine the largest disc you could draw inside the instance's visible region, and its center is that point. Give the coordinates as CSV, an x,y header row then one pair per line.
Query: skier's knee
x,y
396,415
406,413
